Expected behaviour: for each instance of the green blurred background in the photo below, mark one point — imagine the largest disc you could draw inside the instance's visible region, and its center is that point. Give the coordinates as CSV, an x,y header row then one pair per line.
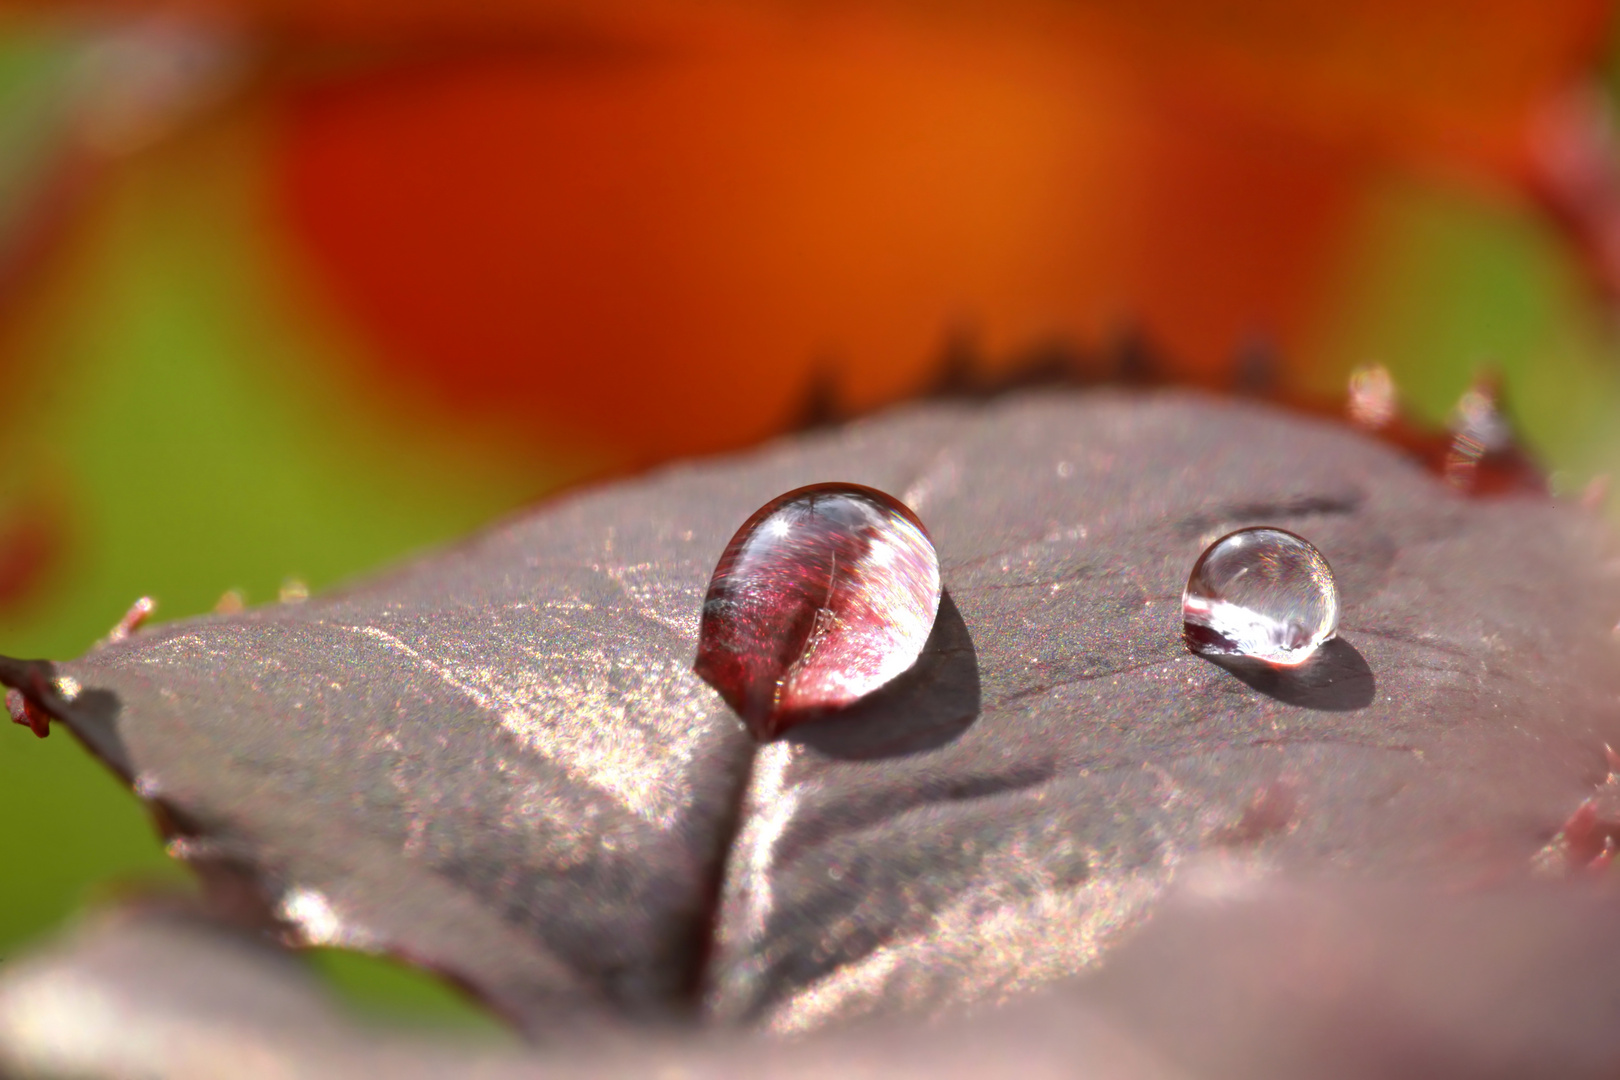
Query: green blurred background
x,y
191,409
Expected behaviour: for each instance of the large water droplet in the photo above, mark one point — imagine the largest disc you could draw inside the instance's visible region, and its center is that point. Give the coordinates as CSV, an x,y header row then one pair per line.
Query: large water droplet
x,y
1262,593
825,594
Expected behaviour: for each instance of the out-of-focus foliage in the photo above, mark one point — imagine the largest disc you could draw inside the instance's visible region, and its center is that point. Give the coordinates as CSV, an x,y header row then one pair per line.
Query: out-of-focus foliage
x,y
292,288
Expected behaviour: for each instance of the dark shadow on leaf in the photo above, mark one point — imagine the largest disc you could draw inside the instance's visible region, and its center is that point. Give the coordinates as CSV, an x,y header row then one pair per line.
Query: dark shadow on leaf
x,y
1336,679
929,706
93,716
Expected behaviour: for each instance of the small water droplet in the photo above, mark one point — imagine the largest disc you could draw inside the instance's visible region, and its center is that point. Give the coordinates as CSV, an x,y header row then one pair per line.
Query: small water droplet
x,y
1262,593
824,595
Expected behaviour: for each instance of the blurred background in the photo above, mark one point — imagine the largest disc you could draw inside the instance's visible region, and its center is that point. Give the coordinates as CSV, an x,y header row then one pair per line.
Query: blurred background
x,y
292,288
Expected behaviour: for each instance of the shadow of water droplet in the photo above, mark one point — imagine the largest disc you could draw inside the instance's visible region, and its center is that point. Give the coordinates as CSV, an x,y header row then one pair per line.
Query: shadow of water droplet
x,y
1336,679
928,706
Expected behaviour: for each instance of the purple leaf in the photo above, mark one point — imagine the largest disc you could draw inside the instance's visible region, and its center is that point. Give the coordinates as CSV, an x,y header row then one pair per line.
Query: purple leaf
x,y
498,762
1265,983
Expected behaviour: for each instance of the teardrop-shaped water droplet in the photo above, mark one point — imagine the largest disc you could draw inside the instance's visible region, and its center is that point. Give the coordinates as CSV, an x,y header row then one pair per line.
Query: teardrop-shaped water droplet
x,y
825,594
1261,593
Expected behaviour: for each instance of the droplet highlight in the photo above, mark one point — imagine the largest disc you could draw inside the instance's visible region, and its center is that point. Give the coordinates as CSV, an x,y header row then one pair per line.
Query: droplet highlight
x,y
1373,402
824,595
312,920
1261,593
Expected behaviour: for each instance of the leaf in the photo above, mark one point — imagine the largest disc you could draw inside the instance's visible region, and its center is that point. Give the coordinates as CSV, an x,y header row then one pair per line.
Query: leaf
x,y
1273,982
160,996
1336,980
497,761
759,199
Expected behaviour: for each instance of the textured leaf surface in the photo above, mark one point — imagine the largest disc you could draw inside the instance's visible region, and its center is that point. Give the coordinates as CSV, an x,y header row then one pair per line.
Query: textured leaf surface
x,y
499,763
182,1001
1279,981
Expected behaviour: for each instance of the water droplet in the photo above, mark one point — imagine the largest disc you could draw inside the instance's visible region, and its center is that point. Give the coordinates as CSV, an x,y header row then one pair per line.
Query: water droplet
x,y
825,594
1263,593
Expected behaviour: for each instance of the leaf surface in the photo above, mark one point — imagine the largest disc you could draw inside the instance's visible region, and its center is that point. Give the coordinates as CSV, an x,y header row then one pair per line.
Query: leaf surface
x,y
497,761
1274,982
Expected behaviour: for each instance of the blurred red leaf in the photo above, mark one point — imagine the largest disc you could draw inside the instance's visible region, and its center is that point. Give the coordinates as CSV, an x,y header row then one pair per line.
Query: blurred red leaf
x,y
30,541
659,250
649,227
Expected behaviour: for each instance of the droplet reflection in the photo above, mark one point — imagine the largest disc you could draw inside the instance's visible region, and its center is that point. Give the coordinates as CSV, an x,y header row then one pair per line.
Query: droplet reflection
x,y
1261,593
824,595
